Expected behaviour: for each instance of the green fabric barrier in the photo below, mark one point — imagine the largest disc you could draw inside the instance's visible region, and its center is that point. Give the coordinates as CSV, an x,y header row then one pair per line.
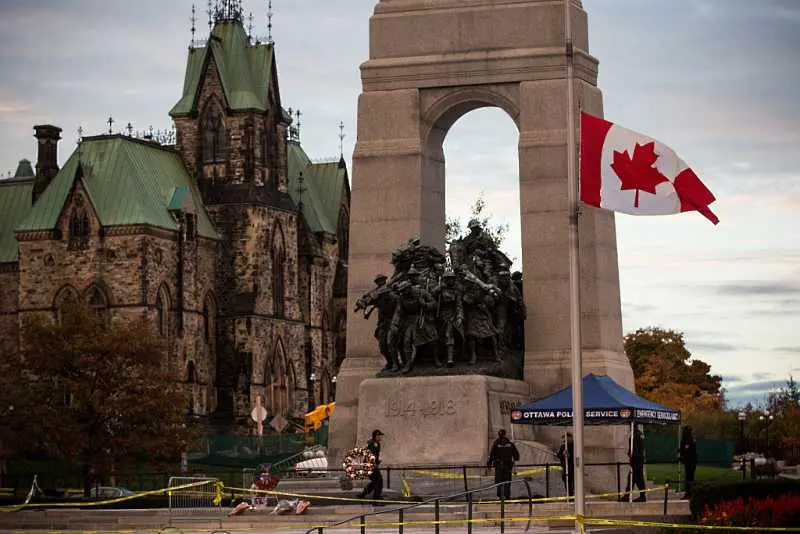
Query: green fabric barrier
x,y
662,448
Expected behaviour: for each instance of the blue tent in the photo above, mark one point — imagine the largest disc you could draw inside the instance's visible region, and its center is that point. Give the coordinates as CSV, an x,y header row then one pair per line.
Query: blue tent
x,y
605,403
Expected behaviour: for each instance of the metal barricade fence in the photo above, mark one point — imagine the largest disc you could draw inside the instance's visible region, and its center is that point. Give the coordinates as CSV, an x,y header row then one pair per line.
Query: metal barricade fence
x,y
200,494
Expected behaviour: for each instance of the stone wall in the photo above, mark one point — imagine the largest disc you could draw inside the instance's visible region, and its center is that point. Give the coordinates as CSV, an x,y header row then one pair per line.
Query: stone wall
x,y
130,265
259,136
9,302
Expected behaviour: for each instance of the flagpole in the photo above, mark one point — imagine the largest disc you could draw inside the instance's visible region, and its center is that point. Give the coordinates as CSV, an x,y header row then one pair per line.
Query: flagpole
x,y
574,280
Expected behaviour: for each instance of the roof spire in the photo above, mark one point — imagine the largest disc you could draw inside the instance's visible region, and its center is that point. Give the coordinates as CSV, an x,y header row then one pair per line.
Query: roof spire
x,y
269,23
341,139
110,121
194,22
210,16
228,11
250,28
298,115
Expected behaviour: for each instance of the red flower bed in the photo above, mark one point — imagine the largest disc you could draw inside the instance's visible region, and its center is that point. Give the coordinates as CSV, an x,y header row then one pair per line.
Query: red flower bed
x,y
781,511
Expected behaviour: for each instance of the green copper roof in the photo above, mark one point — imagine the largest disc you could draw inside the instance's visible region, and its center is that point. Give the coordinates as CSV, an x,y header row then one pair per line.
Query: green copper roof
x,y
15,203
128,182
323,185
245,70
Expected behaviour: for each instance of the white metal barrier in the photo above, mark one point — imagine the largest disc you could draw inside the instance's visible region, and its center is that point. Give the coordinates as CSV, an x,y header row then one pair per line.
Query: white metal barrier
x,y
200,494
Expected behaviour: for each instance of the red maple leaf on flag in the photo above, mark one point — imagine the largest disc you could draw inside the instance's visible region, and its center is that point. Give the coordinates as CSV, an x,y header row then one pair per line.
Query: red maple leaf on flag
x,y
638,172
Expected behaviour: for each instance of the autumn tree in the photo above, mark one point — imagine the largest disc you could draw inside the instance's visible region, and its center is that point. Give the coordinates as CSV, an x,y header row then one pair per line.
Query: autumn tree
x,y
95,391
784,406
665,372
455,227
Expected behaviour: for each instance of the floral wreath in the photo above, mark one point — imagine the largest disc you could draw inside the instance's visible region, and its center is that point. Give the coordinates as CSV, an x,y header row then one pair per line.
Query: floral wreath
x,y
359,463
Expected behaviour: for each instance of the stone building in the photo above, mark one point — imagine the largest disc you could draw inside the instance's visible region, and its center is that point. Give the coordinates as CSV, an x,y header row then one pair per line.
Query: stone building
x,y
229,239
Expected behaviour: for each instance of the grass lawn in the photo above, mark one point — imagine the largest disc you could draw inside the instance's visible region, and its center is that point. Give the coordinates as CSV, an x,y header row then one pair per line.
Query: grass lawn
x,y
661,473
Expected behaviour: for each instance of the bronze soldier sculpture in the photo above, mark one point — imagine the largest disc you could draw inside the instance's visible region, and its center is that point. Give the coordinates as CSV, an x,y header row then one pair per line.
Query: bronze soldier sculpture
x,y
412,323
384,299
468,306
450,312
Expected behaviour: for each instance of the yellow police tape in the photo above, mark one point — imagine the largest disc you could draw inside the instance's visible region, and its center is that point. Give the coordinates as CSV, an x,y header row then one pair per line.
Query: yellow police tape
x,y
445,474
16,507
219,487
370,501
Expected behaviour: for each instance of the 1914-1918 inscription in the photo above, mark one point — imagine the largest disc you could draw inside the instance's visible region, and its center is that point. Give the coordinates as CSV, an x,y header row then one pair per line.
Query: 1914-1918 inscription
x,y
416,408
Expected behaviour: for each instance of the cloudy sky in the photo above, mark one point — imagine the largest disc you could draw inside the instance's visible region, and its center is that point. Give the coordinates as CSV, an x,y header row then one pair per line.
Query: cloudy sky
x,y
715,79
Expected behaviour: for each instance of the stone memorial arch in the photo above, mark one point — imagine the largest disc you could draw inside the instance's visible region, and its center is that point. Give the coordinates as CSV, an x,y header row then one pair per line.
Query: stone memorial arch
x,y
431,62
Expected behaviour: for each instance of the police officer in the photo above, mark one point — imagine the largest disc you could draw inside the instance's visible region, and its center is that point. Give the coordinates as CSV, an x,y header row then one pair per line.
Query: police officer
x,y
375,486
502,457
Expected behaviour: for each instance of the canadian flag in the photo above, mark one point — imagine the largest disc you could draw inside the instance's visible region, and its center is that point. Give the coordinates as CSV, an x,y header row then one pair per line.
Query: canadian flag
x,y
622,170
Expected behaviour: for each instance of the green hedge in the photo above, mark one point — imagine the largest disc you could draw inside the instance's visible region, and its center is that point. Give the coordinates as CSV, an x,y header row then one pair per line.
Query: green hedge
x,y
706,495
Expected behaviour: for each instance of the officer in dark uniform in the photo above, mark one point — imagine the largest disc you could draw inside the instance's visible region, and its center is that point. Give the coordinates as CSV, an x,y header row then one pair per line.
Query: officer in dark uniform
x,y
637,461
502,457
375,485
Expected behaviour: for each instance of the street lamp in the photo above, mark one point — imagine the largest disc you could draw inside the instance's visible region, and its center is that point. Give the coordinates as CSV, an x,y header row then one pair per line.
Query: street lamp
x,y
312,378
742,417
767,417
333,388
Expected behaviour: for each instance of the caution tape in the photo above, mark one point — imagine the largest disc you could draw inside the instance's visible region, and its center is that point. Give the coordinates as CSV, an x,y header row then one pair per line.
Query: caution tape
x,y
582,521
570,498
16,507
446,474
442,474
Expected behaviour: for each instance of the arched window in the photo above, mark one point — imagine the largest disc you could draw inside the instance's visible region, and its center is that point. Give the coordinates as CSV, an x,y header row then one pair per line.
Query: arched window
x,y
214,136
65,296
79,229
278,257
279,381
191,373
97,300
162,311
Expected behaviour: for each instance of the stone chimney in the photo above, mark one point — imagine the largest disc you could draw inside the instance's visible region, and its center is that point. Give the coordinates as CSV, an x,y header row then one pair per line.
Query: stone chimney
x,y
47,162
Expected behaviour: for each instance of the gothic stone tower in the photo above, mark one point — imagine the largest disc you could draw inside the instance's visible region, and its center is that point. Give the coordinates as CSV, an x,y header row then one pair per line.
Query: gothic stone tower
x,y
231,133
431,62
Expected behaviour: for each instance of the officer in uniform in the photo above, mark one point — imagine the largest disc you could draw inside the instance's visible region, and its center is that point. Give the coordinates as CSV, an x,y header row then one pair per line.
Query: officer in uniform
x,y
375,486
502,457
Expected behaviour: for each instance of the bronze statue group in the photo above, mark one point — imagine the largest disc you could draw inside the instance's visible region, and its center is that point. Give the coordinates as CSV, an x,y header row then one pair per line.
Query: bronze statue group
x,y
463,305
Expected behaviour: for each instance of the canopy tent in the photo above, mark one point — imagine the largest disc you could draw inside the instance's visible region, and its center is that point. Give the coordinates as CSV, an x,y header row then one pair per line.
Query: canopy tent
x,y
605,403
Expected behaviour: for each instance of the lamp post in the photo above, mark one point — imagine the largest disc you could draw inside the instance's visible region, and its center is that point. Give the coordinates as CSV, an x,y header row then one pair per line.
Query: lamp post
x,y
742,417
333,388
312,379
767,417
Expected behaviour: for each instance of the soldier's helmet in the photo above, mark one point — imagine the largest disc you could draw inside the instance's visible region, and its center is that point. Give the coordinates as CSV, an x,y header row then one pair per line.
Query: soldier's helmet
x,y
473,223
380,277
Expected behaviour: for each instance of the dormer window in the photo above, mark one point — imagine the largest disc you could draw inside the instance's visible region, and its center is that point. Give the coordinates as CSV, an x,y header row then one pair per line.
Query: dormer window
x,y
214,136
79,230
